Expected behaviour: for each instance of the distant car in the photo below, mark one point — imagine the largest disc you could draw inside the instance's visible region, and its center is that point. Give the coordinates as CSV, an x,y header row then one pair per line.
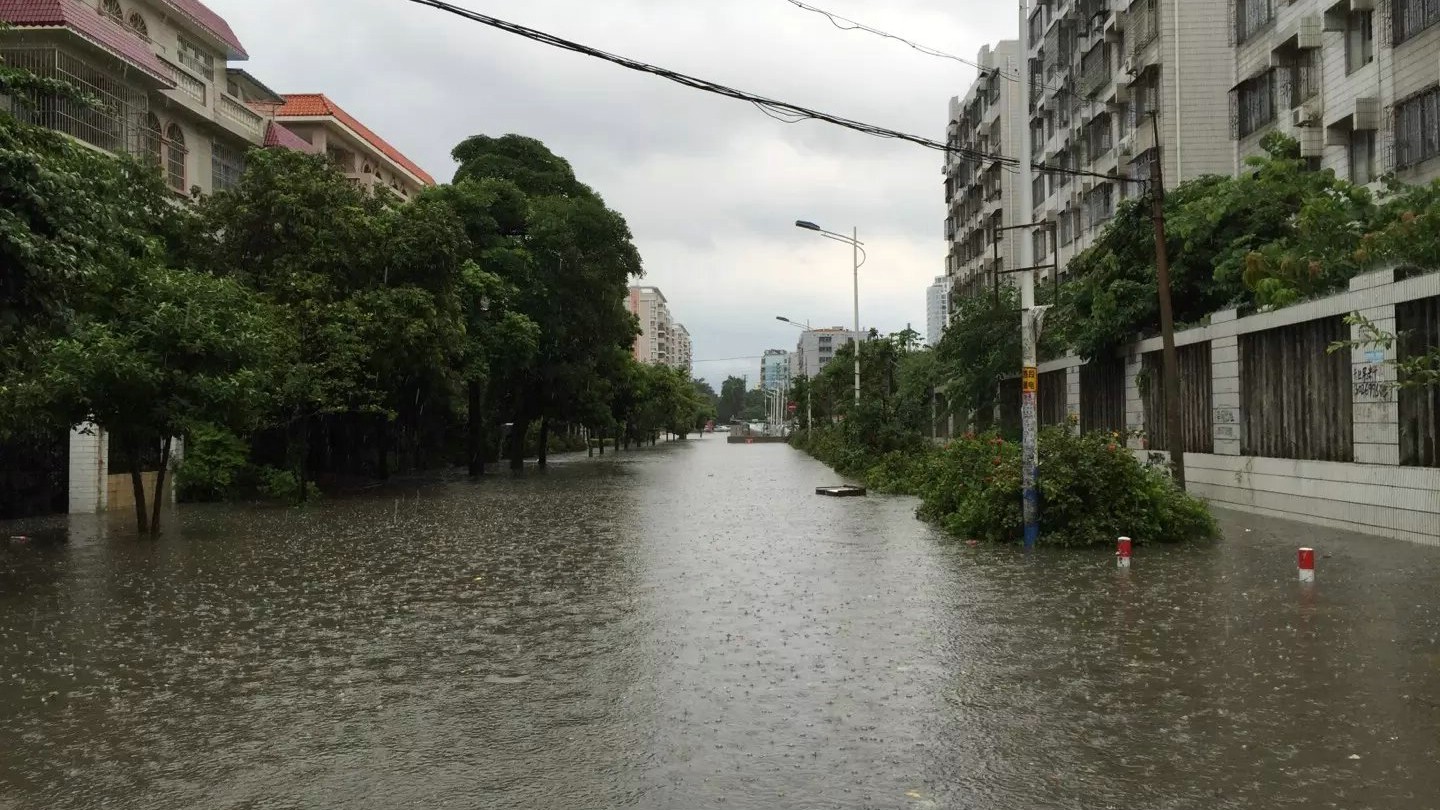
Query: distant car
x,y
722,428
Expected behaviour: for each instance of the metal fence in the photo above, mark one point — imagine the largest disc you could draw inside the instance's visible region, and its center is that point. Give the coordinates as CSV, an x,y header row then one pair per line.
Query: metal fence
x,y
1102,395
114,120
1053,392
1295,396
1196,425
1418,326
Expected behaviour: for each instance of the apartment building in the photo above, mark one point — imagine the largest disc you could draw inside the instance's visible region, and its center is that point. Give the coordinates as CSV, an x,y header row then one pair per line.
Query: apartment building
x,y
775,369
158,69
364,157
1115,80
661,340
980,196
816,349
1356,82
684,359
937,309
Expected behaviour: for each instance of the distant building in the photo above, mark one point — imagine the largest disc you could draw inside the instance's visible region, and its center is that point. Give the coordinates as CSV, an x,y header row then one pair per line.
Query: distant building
x,y
816,349
775,369
661,341
937,309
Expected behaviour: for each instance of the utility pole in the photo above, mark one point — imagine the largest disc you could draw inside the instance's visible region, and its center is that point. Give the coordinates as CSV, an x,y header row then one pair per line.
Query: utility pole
x,y
1171,358
1029,374
855,253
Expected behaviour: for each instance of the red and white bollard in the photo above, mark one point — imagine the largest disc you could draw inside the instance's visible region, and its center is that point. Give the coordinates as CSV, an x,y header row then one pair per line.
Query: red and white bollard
x,y
1306,560
1122,554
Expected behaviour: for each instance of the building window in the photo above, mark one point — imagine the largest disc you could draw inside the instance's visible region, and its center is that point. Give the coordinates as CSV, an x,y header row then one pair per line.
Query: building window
x,y
1417,128
1300,77
137,24
1251,16
1255,103
1362,156
1359,40
1042,244
175,158
193,57
1413,16
150,140
111,9
226,166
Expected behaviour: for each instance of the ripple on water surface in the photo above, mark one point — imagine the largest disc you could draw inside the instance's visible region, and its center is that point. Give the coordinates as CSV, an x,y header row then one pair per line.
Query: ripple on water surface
x,y
689,626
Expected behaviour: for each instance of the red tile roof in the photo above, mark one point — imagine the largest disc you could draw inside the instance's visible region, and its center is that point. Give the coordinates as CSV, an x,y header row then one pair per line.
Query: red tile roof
x,y
311,105
202,16
84,20
278,137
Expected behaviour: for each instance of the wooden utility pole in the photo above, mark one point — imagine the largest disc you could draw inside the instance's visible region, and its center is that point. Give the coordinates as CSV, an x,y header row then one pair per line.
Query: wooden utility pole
x,y
1176,439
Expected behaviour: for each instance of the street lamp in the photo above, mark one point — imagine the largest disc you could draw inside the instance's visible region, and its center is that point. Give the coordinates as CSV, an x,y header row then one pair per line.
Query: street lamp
x,y
859,259
809,381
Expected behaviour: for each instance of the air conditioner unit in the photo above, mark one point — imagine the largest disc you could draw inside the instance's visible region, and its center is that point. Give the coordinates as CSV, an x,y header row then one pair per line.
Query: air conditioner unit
x,y
1312,141
1309,31
1126,149
1306,114
1127,72
1362,5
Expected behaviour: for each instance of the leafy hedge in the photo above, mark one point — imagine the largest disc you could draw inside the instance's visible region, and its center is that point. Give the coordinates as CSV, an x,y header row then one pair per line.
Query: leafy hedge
x,y
1091,488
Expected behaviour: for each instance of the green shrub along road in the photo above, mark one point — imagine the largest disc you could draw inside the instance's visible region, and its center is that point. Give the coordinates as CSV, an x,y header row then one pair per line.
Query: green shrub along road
x,y
1092,488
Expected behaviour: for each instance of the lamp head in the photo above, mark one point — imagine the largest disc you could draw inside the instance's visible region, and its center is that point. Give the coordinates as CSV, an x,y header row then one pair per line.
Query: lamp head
x,y
809,226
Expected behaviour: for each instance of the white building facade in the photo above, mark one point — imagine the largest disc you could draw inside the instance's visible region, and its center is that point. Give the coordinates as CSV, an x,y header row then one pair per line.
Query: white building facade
x,y
980,196
1356,82
937,309
662,340
816,349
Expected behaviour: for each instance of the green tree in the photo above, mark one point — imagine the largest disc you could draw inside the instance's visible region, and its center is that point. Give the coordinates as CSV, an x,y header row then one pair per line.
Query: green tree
x,y
732,400
170,350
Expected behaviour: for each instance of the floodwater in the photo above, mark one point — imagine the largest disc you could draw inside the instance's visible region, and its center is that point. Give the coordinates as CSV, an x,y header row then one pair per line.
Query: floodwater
x,y
689,626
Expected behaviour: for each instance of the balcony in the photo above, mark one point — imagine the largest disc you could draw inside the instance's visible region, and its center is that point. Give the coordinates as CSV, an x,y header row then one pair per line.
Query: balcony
x,y
239,118
191,91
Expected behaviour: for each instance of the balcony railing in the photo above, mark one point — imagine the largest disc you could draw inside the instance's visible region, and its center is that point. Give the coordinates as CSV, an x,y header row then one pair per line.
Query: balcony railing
x,y
240,115
186,83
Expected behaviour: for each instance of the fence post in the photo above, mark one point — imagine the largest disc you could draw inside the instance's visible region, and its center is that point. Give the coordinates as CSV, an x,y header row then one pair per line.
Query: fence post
x,y
1376,411
1134,402
1226,421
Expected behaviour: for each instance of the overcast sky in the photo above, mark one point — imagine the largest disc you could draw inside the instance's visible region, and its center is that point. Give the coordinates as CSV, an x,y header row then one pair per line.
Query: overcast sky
x,y
711,187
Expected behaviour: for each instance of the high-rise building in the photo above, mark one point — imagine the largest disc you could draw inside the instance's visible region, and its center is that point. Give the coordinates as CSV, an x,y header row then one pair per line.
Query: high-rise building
x,y
661,340
1101,69
816,349
980,195
1354,81
683,358
937,309
775,369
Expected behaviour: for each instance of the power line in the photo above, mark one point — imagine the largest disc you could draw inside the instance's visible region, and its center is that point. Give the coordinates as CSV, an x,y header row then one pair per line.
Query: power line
x,y
845,24
781,110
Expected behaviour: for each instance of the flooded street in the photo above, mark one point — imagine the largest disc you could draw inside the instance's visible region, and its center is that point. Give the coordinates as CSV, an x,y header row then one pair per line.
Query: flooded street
x,y
689,626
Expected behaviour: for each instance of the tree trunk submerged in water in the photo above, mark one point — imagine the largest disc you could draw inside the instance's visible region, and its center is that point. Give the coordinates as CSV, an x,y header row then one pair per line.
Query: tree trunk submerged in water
x,y
517,443
137,484
160,485
473,445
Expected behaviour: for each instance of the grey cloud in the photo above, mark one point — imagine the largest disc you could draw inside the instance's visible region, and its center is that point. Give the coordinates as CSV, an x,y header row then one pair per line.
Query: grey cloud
x,y
709,185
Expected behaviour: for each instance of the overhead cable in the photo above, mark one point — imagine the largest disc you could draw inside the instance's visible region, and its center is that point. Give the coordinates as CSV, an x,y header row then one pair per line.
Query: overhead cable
x,y
780,109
